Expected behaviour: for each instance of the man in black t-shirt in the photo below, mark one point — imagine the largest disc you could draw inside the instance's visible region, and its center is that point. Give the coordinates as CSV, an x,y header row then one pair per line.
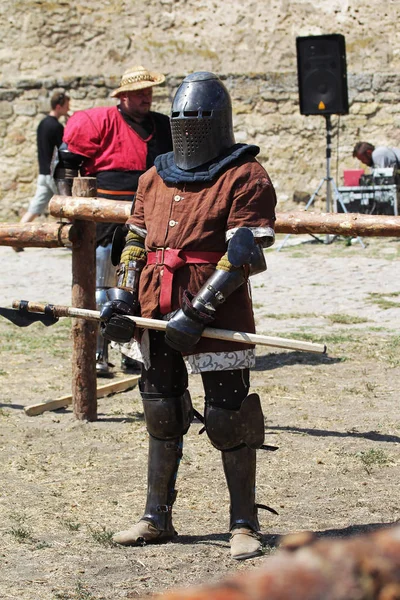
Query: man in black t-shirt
x,y
49,135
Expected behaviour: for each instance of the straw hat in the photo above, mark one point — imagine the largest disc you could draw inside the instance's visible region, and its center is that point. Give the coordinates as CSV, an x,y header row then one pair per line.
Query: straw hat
x,y
137,78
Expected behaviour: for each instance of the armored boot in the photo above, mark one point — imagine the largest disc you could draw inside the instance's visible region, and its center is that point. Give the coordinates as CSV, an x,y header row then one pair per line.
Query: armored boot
x,y
238,434
156,524
240,473
103,368
167,419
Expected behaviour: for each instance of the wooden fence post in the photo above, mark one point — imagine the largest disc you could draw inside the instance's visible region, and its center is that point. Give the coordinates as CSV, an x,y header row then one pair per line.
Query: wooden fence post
x,y
84,332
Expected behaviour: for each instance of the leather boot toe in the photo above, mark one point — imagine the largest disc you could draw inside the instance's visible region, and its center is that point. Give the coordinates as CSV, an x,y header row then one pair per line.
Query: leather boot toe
x,y
245,543
142,533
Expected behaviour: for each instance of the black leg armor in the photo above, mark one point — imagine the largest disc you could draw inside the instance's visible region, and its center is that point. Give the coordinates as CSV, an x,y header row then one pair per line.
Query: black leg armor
x,y
228,429
167,420
163,463
235,425
167,417
240,474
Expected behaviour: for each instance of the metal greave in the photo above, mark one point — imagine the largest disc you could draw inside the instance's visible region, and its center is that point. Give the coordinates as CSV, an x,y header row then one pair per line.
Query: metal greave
x,y
101,349
101,343
240,473
163,462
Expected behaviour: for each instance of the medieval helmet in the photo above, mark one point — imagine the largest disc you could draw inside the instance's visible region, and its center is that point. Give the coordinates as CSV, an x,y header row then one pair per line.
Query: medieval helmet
x,y
201,120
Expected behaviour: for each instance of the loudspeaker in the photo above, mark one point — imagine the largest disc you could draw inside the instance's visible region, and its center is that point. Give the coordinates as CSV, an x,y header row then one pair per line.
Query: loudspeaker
x,y
322,75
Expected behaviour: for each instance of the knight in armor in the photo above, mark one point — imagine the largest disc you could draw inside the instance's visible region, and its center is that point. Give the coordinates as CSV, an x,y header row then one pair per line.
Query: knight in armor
x,y
202,216
115,144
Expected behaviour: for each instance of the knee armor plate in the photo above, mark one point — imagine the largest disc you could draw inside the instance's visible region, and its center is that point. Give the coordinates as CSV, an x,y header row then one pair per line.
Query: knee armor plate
x,y
229,429
167,417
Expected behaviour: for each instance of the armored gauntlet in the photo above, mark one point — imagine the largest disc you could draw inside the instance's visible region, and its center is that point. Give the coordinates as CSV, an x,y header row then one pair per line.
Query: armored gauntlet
x,y
123,300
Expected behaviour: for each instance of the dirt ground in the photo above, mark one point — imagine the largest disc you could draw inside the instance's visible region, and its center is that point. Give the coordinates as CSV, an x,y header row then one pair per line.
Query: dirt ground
x,y
66,486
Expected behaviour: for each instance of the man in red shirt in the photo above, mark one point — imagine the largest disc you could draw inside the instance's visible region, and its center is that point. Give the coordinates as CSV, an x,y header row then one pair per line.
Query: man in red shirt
x,y
116,144
202,216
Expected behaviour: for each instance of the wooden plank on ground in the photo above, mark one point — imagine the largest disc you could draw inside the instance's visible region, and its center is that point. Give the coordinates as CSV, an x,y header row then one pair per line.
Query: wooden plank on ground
x,y
114,387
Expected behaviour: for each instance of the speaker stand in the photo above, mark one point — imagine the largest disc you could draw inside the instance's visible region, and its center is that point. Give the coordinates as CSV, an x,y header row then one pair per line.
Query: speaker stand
x,y
330,185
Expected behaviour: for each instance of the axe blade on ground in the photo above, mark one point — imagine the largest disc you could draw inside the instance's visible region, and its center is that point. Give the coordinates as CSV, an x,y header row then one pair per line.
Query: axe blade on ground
x,y
22,318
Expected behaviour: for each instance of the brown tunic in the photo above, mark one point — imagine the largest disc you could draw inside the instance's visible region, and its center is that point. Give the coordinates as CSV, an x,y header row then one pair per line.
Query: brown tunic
x,y
196,217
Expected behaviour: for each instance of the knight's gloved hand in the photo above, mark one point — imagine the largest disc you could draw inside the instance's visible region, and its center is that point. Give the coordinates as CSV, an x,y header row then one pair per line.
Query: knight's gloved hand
x,y
185,327
114,325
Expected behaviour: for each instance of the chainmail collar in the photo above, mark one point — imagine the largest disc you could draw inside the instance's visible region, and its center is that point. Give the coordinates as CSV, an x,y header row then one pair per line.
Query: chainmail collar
x,y
171,173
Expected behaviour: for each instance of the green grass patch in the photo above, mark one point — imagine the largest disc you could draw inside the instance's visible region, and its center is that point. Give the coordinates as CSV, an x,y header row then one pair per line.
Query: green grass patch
x,y
102,536
82,593
285,316
55,341
382,301
341,337
373,458
393,352
22,534
345,319
71,525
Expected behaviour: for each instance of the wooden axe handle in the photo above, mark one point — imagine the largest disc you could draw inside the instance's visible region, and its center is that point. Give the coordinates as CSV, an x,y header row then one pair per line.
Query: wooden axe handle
x,y
209,332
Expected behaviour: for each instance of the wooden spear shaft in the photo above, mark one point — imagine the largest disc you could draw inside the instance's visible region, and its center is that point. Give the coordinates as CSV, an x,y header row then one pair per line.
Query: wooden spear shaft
x,y
209,332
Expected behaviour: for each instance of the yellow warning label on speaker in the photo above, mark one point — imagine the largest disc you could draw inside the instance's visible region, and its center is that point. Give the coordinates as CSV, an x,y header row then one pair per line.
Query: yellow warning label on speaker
x,y
321,106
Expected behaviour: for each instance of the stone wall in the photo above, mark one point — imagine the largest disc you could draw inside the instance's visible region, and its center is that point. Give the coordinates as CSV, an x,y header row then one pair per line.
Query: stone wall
x,y
75,37
266,113
85,47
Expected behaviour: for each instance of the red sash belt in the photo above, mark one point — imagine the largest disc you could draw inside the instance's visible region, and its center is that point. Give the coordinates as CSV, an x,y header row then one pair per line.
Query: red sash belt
x,y
172,259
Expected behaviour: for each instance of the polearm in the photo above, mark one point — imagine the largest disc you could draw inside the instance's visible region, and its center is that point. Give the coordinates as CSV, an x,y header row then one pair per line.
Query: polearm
x,y
145,323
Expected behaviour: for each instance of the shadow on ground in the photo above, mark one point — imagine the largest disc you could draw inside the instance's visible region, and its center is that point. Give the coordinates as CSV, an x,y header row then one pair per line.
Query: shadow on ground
x,y
273,541
367,435
267,362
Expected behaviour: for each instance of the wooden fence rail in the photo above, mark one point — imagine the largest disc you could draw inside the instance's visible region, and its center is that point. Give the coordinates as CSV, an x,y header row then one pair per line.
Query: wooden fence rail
x,y
82,209
346,224
41,235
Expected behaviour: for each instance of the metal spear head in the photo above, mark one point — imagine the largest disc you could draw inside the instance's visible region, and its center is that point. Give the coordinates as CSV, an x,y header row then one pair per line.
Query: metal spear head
x,y
23,318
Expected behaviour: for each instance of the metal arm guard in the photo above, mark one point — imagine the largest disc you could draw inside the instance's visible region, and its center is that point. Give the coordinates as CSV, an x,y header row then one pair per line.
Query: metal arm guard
x,y
132,260
231,429
186,326
129,275
216,290
167,418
